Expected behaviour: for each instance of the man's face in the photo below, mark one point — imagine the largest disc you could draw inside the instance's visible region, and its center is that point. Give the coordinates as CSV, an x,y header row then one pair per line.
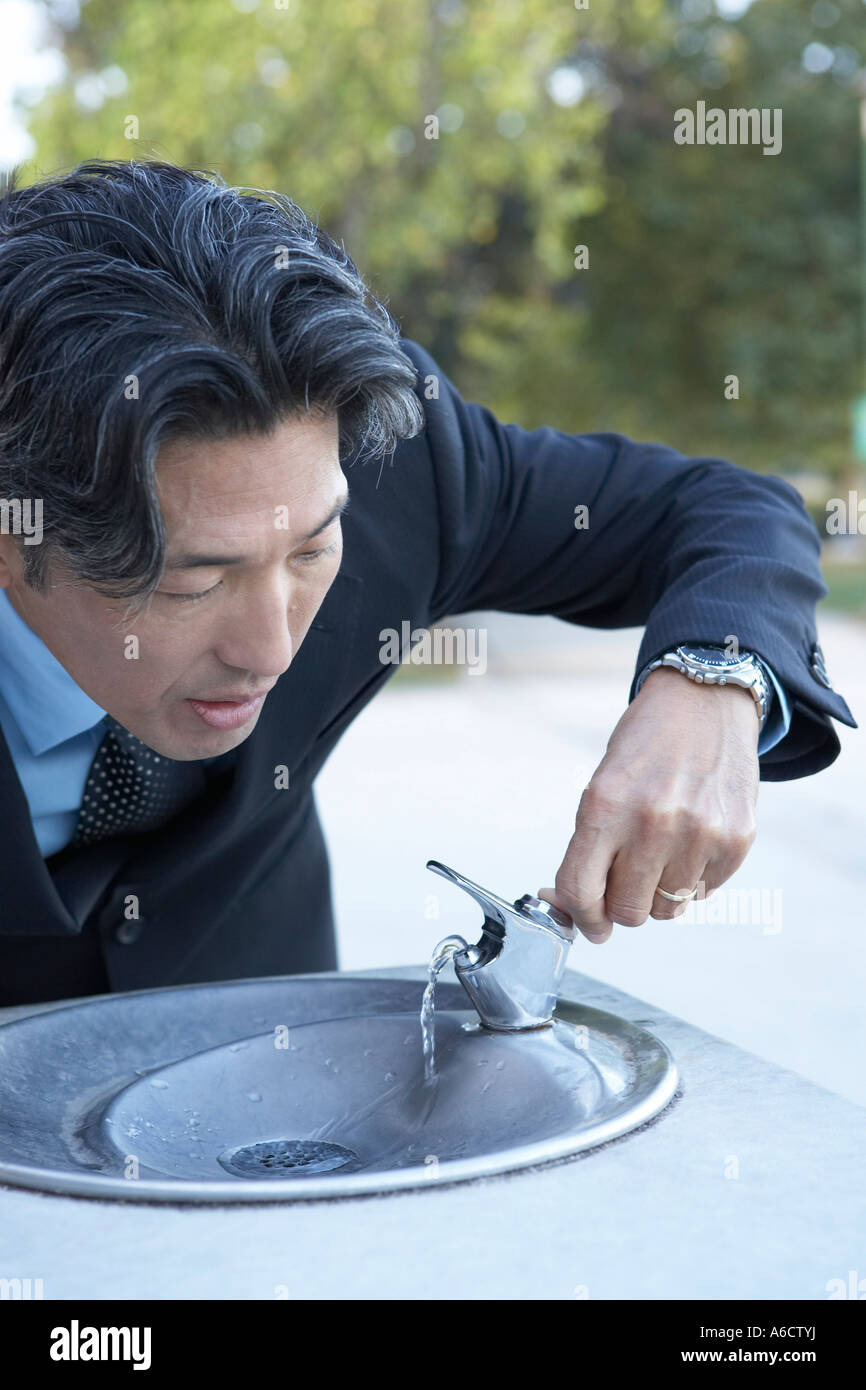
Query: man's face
x,y
244,519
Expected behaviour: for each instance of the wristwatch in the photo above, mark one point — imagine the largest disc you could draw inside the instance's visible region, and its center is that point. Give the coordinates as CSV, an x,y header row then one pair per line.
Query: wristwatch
x,y
713,666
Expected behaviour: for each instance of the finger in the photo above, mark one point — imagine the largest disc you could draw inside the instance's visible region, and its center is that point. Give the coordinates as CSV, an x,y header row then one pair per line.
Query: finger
x,y
631,886
727,860
597,935
730,851
681,875
548,895
664,909
582,876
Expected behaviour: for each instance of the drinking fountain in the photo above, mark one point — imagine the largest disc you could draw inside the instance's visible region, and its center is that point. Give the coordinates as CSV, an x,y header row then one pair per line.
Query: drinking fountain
x,y
314,1086
512,975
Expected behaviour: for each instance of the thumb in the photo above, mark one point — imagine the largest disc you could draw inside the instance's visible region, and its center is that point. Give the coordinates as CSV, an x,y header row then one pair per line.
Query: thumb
x,y
548,895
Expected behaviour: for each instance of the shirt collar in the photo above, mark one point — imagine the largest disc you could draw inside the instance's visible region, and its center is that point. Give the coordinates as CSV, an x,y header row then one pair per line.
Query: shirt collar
x,y
42,697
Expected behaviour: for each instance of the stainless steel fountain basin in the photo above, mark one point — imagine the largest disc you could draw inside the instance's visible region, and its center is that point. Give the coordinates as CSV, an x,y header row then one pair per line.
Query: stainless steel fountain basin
x,y
305,1087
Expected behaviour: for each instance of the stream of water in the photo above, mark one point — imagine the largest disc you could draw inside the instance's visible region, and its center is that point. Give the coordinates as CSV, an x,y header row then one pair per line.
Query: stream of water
x,y
442,953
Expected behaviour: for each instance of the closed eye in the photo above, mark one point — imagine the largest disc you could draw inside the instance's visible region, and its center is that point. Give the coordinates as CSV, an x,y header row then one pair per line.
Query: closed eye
x,y
307,556
190,598
317,554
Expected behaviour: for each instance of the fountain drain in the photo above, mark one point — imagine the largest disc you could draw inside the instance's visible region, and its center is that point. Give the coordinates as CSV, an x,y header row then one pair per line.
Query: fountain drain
x,y
278,1158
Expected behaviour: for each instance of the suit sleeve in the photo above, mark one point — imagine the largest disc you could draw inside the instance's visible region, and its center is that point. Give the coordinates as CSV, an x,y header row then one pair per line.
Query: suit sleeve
x,y
602,531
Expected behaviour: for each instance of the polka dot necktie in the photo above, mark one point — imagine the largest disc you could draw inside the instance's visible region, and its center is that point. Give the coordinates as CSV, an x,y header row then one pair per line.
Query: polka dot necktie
x,y
131,789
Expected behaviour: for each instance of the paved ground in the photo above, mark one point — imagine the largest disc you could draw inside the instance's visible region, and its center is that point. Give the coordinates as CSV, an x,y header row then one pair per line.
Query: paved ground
x,y
485,772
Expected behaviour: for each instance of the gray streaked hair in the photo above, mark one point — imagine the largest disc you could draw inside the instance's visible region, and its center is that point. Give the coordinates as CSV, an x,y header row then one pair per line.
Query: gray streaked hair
x,y
141,302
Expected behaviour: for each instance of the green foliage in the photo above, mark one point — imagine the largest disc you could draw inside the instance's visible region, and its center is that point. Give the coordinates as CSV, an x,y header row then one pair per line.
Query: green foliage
x,y
738,262
846,585
705,261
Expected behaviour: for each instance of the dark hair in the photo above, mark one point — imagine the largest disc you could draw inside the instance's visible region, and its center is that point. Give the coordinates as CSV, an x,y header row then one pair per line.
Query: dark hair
x,y
141,302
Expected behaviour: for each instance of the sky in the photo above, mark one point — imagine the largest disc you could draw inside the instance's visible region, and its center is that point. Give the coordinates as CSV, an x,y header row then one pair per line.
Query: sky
x,y
26,68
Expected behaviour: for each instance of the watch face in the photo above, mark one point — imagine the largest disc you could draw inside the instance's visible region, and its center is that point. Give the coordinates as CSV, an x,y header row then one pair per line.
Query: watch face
x,y
712,656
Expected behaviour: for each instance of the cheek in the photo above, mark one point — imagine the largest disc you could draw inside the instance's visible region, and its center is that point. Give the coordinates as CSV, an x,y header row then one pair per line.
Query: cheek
x,y
145,658
98,655
119,663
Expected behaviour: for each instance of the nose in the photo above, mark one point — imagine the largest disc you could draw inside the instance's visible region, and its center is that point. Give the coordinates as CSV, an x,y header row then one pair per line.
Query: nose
x,y
256,634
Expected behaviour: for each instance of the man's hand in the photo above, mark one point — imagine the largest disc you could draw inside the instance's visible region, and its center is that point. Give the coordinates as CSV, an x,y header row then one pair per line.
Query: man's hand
x,y
672,803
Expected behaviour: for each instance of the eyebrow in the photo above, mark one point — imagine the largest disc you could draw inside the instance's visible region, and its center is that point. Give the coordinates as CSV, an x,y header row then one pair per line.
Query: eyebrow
x,y
193,561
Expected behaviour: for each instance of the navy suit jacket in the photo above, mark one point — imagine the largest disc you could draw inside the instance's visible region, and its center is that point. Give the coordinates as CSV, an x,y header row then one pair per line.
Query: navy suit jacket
x,y
471,514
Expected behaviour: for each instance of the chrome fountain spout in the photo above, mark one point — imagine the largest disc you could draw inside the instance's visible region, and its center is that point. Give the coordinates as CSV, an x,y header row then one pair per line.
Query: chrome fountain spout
x,y
512,974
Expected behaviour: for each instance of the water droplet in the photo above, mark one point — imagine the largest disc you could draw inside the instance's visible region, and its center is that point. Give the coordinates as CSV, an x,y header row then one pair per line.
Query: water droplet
x,y
238,1047
390,1076
159,1085
253,1095
499,1066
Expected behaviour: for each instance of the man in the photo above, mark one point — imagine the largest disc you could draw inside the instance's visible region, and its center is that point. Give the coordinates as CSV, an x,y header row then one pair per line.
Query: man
x,y
194,384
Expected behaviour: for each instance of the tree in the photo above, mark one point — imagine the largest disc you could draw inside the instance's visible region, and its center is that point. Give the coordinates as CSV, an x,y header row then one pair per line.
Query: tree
x,y
462,152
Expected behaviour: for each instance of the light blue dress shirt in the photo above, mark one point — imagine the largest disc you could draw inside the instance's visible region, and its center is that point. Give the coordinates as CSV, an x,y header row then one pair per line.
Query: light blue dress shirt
x,y
779,719
53,729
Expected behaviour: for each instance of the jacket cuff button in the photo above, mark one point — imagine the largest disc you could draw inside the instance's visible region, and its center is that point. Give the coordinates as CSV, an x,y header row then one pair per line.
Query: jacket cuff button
x,y
818,667
127,933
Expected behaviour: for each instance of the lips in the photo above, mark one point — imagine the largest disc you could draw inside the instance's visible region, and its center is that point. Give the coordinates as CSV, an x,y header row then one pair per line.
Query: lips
x,y
228,713
234,697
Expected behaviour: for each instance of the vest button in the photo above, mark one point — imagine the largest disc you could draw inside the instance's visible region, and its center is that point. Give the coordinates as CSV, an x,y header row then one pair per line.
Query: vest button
x,y
128,932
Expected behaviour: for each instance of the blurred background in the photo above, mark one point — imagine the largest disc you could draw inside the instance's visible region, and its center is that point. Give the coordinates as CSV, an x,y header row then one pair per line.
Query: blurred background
x,y
554,127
